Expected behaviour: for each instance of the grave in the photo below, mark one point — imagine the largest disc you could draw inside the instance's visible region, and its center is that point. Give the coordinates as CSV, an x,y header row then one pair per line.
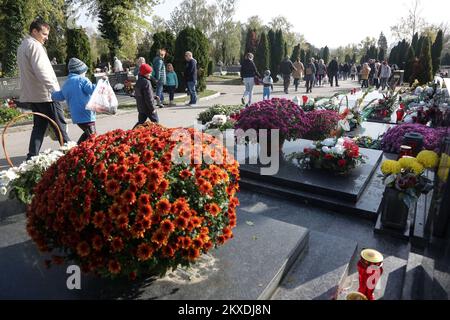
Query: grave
x,y
348,193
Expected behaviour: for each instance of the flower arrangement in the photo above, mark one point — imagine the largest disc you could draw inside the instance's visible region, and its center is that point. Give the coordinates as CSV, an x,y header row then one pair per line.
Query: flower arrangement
x,y
19,182
322,122
336,155
277,113
308,104
406,175
393,138
368,142
9,103
117,205
384,107
208,115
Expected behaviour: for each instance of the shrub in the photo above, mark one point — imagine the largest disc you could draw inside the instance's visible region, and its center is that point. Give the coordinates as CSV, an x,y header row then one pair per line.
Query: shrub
x,y
322,122
78,46
7,114
118,206
163,40
393,138
277,113
207,115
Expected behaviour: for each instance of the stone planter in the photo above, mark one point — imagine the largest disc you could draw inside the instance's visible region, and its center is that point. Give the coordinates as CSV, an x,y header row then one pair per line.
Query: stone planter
x,y
394,211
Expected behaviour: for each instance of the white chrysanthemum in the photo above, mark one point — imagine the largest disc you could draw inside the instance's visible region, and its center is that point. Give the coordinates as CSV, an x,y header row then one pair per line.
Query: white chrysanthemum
x,y
326,150
338,149
330,142
3,191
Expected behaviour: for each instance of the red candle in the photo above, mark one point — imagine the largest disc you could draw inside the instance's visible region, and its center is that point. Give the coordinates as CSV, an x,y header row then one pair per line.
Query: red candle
x,y
305,99
370,269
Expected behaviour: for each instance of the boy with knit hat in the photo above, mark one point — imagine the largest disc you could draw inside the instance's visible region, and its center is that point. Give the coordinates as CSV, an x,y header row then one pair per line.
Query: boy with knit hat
x,y
77,91
144,96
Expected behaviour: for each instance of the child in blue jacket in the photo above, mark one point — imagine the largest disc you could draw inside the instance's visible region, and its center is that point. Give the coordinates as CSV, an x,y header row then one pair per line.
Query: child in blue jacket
x,y
77,91
172,83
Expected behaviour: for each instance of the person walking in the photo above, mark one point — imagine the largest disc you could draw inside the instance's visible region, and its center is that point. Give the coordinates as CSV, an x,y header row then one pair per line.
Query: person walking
x,y
159,75
321,72
144,96
191,75
310,74
286,68
172,83
385,74
268,85
353,72
248,73
365,72
37,82
333,70
298,73
77,91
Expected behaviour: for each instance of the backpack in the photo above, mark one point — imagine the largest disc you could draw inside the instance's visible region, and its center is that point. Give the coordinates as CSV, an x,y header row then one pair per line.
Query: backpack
x,y
308,70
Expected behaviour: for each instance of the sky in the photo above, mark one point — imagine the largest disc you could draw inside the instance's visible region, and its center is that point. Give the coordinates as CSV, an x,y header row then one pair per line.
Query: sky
x,y
330,22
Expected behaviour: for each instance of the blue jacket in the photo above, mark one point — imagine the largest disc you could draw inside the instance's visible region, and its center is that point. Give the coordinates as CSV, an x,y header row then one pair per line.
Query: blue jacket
x,y
77,91
191,71
172,79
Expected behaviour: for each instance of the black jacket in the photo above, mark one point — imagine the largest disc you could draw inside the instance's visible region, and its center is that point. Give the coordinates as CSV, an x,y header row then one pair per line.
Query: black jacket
x,y
333,67
144,95
248,69
191,71
286,67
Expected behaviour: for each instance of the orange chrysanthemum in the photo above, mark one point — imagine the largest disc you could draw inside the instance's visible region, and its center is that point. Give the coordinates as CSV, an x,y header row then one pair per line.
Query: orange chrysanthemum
x,y
83,249
112,187
114,267
117,244
163,206
144,252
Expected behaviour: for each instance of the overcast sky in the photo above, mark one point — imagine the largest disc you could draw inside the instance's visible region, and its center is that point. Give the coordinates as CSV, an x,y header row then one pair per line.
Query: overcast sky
x,y
332,22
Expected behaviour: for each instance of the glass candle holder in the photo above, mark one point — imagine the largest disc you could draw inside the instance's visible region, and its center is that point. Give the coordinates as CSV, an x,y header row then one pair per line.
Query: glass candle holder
x,y
370,269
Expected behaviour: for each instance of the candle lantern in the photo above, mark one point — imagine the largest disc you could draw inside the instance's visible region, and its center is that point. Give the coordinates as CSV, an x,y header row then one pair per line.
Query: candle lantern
x,y
370,269
415,141
405,151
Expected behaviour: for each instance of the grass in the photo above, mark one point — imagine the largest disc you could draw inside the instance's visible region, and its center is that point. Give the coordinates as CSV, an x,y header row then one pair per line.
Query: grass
x,y
203,94
229,80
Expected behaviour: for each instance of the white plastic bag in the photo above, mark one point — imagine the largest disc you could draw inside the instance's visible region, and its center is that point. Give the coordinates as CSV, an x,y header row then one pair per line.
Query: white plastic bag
x,y
103,100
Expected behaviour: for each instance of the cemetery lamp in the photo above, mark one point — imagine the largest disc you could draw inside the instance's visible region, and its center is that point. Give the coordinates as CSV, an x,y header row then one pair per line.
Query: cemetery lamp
x,y
370,269
415,141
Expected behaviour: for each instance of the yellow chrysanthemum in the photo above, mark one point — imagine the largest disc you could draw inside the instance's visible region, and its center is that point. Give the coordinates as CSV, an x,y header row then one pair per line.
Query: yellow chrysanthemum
x,y
391,167
412,164
429,159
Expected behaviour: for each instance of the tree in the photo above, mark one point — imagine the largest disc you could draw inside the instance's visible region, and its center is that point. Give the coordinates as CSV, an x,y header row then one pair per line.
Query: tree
x,y
278,50
326,55
296,53
262,58
255,23
381,54
409,24
446,59
251,43
144,48
226,37
285,50
195,41
163,40
12,25
347,59
302,55
409,65
426,63
436,51
78,46
415,41
195,14
382,42
418,49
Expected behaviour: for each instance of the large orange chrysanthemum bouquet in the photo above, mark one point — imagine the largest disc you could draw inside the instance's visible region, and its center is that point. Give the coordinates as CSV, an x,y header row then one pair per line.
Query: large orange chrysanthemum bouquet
x,y
118,205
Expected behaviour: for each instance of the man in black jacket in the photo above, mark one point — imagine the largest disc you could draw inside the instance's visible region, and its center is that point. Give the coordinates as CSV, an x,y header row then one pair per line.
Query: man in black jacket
x,y
191,77
333,69
286,68
144,96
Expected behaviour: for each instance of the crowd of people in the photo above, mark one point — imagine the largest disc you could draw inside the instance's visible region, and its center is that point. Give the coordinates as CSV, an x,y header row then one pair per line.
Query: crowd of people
x,y
40,88
315,73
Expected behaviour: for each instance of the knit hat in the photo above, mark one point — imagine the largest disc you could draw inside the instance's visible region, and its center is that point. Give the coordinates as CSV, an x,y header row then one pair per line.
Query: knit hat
x,y
145,69
77,66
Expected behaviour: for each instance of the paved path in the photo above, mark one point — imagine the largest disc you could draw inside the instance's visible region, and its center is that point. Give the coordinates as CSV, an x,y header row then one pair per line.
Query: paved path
x,y
17,139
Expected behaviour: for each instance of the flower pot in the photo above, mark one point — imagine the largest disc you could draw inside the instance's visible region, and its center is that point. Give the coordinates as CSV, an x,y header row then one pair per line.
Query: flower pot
x,y
394,211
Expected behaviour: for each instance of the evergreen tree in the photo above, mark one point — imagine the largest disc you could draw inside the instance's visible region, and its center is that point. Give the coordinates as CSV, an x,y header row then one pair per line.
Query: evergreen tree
x,y
418,49
12,27
144,48
393,56
296,53
426,63
381,54
354,58
251,42
347,58
446,59
273,63
326,55
278,51
195,41
415,42
111,25
436,51
262,58
78,46
382,42
409,65
308,56
285,51
163,40
303,56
